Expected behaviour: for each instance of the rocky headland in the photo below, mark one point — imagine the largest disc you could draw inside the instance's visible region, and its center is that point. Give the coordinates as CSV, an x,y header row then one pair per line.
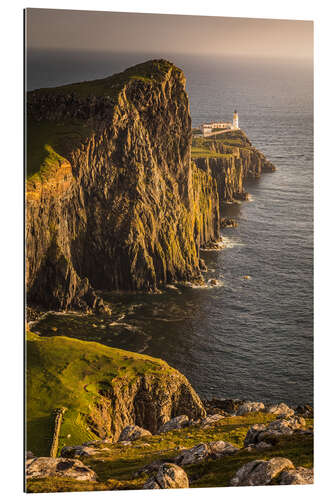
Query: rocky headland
x,y
121,196
118,196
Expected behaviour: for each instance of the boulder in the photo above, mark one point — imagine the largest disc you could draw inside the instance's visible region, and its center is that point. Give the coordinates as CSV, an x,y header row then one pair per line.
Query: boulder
x,y
281,409
78,451
29,454
174,423
250,407
211,419
150,469
42,467
219,449
132,432
277,428
202,451
168,476
300,475
193,455
228,222
228,405
260,472
305,410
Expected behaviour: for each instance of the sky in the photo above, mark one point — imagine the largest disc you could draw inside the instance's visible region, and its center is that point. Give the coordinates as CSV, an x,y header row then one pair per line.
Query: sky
x,y
70,30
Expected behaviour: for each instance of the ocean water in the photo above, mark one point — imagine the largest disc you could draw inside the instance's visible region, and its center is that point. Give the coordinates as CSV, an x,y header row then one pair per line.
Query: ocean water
x,y
248,338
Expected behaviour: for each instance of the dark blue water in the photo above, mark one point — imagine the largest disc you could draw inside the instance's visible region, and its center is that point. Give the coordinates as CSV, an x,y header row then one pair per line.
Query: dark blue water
x,y
244,338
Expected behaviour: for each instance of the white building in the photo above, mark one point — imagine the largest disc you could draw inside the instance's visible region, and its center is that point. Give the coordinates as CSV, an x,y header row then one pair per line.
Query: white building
x,y
209,128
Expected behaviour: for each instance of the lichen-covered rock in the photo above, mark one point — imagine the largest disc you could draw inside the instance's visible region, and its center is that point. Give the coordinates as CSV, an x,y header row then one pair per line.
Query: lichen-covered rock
x,y
211,420
279,427
221,448
42,467
78,451
260,472
175,423
281,409
202,451
133,432
193,455
250,407
168,476
300,475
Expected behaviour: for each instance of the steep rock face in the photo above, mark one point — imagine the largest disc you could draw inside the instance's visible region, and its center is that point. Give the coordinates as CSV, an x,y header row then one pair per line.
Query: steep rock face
x,y
115,200
148,402
232,164
119,209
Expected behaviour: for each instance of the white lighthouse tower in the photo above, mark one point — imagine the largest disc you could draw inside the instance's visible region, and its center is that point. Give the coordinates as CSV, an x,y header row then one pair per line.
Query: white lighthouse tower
x,y
235,121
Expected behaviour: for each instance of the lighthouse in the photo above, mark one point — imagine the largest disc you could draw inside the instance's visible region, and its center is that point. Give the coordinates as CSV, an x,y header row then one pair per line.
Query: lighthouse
x,y
235,121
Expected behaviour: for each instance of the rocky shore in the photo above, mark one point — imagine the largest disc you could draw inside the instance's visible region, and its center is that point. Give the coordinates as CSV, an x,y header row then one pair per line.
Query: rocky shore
x,y
267,444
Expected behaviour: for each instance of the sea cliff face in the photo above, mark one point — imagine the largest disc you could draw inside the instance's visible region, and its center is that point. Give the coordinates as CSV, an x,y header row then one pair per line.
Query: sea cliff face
x,y
229,158
114,199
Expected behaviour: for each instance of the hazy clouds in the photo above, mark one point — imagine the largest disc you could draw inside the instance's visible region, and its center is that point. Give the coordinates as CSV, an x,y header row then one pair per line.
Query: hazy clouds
x,y
111,31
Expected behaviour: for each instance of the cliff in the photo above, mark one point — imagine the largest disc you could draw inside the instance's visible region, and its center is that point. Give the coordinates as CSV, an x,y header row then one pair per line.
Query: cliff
x,y
114,199
103,390
229,158
111,202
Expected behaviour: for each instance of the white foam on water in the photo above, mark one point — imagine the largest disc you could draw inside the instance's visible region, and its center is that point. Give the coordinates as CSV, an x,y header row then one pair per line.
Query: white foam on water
x,y
229,242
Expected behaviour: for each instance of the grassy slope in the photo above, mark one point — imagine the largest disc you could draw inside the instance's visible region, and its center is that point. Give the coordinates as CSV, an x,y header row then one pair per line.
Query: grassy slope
x,y
116,464
69,372
202,147
47,141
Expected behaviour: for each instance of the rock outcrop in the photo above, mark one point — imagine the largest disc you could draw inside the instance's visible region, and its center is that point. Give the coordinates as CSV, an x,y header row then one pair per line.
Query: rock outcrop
x,y
175,423
133,432
281,410
203,451
78,451
41,467
260,472
211,420
300,475
168,476
250,407
271,432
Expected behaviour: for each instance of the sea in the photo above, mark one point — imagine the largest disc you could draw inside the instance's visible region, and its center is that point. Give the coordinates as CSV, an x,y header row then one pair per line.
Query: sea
x,y
248,338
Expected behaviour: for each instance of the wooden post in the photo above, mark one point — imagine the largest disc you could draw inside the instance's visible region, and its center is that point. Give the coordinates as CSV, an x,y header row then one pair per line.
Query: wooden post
x,y
59,413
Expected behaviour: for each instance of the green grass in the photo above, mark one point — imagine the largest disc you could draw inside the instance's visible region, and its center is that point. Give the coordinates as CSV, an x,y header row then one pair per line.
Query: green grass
x,y
116,467
197,152
65,372
48,142
299,449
